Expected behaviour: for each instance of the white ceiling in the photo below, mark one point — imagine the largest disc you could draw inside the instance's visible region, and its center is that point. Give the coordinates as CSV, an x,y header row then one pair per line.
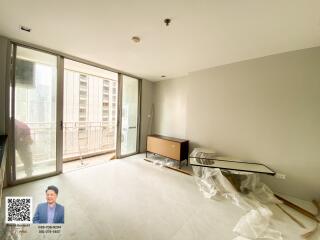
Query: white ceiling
x,y
203,33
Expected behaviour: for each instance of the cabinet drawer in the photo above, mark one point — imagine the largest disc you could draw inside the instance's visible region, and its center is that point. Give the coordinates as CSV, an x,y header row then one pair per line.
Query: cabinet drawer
x,y
164,147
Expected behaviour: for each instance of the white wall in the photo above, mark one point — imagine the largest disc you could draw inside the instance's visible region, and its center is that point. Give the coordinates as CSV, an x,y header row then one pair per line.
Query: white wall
x,y
265,110
3,57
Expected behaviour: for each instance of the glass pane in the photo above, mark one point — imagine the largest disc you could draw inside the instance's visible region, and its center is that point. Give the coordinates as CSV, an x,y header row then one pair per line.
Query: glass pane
x,y
35,113
89,110
129,129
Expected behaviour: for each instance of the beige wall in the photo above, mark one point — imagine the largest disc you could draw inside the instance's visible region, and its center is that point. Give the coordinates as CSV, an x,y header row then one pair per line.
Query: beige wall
x,y
146,112
170,108
3,57
265,110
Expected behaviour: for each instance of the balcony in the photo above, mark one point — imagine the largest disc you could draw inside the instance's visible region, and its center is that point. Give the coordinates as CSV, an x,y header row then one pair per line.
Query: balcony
x,y
80,138
87,139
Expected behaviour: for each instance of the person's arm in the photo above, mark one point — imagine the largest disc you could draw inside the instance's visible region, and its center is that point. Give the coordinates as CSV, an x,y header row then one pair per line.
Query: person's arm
x,y
36,218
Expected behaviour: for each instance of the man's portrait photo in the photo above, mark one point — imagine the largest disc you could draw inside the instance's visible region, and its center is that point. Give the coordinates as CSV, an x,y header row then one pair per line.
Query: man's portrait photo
x,y
49,212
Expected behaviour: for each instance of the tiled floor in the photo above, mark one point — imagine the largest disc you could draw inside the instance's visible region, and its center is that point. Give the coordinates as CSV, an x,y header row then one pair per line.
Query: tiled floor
x,y
87,162
136,200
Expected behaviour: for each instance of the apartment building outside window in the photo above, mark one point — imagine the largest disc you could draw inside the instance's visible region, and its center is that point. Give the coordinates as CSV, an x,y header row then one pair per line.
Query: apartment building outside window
x,y
90,110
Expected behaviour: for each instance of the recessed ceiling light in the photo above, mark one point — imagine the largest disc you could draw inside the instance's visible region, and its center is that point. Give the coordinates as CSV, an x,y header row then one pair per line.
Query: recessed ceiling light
x,y
24,28
136,39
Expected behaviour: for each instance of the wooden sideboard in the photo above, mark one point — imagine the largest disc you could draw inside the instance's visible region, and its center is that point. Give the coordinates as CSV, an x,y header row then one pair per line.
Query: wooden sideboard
x,y
173,148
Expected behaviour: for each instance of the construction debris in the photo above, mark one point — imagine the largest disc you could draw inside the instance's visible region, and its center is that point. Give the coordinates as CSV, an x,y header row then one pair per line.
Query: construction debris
x,y
292,217
246,191
299,209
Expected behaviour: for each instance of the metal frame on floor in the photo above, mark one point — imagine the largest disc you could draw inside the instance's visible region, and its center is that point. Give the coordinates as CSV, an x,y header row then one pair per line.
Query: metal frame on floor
x,y
213,160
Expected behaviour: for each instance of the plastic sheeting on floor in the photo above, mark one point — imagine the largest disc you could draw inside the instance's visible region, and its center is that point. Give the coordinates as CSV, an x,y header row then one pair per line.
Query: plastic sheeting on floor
x,y
251,196
163,161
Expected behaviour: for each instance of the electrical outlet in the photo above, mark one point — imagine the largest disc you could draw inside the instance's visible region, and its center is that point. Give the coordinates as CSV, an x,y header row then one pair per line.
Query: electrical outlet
x,y
280,176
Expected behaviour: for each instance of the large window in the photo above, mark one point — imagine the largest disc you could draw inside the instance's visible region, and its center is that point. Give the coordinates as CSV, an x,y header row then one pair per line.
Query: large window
x,y
58,113
90,110
130,111
35,105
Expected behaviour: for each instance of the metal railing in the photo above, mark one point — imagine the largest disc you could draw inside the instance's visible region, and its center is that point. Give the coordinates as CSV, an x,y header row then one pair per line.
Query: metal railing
x,y
83,138
79,138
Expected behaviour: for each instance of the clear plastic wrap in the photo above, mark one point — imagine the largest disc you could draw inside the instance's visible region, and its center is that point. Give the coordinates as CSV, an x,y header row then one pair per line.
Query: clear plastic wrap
x,y
251,195
162,161
256,224
252,185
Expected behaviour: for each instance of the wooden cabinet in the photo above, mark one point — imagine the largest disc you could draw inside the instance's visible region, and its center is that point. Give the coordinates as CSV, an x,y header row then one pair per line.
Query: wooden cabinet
x,y
173,148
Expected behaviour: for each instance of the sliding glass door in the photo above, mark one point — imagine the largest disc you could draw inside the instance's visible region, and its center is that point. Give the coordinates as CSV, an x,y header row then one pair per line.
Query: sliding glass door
x,y
130,110
105,111
34,120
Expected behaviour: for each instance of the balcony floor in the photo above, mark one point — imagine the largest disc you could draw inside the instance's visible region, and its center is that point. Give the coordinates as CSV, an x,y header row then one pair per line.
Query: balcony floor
x,y
87,162
50,165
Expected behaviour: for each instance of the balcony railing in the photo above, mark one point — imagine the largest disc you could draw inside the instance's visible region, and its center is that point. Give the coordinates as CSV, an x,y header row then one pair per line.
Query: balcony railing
x,y
79,139
88,138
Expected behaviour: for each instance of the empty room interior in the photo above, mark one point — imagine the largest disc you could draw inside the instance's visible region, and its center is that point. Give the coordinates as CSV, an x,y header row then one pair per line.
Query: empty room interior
x,y
160,120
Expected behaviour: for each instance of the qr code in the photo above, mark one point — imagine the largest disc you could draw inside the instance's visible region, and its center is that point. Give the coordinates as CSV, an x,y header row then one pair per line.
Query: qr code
x,y
18,210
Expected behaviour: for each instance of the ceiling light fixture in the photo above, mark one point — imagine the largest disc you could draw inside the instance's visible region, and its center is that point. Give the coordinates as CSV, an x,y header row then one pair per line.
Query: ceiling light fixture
x,y
167,21
135,39
24,28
